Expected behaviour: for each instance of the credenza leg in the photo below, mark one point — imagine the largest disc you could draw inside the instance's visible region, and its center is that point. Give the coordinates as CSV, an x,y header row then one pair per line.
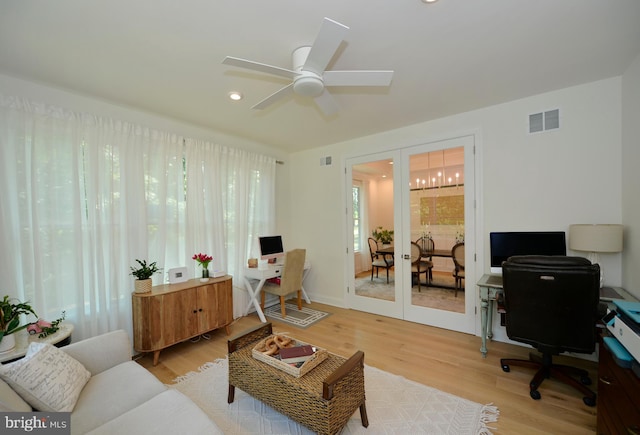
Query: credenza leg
x,y
156,357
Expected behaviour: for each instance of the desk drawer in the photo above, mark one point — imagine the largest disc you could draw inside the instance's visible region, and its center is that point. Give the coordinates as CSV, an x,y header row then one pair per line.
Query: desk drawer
x,y
618,396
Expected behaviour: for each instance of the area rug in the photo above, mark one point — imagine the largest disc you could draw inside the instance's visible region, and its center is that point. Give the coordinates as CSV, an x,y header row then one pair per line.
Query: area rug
x,y
395,405
299,318
439,296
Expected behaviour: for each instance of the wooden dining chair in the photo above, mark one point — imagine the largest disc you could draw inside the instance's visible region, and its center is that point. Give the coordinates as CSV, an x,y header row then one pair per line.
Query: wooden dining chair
x,y
418,264
427,246
379,260
457,254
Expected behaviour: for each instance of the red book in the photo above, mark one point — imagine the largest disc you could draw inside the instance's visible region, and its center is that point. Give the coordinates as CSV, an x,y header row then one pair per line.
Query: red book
x,y
296,354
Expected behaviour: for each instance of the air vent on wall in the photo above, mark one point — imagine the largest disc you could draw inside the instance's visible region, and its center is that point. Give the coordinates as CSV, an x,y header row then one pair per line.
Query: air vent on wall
x,y
544,121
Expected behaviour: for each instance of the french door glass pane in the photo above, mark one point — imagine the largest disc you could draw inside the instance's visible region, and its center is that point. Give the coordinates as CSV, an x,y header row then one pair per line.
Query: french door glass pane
x,y
374,266
437,224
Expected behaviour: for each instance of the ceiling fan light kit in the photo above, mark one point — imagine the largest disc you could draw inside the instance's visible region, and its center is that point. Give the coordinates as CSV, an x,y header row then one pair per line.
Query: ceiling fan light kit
x,y
307,83
309,78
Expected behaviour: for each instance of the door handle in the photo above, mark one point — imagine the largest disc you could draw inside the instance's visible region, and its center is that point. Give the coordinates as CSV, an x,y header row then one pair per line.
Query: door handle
x,y
407,257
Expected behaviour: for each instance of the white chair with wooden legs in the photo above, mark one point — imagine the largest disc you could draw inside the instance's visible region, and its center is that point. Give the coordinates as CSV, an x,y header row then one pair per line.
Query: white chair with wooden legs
x,y
290,281
379,260
418,265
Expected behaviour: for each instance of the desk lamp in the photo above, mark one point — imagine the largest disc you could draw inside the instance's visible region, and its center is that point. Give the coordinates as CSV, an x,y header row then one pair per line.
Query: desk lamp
x,y
596,238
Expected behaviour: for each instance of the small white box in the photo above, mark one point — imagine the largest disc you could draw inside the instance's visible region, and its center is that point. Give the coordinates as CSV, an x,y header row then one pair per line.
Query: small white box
x,y
219,273
626,336
177,274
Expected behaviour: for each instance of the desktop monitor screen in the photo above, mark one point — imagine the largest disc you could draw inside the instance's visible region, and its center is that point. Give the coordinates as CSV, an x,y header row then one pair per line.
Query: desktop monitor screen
x,y
271,247
504,245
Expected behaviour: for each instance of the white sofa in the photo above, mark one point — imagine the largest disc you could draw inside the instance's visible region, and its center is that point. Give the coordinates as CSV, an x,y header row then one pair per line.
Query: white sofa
x,y
121,397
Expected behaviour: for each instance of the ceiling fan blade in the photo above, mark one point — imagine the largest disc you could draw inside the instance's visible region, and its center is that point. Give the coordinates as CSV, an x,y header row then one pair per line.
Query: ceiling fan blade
x,y
287,90
326,103
262,67
357,78
324,47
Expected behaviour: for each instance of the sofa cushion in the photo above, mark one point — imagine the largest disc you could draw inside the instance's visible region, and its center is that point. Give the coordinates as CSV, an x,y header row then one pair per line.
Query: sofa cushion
x,y
10,401
168,413
101,352
47,378
111,393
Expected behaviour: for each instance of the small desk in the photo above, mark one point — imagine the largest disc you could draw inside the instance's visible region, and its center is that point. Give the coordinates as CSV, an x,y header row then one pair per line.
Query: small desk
x,y
259,277
489,286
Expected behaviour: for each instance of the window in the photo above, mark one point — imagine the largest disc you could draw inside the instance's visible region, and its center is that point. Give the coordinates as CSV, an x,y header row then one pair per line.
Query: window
x,y
357,223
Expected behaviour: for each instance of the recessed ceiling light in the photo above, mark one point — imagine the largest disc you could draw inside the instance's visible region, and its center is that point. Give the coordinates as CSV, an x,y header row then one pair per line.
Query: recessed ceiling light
x,y
429,1
235,96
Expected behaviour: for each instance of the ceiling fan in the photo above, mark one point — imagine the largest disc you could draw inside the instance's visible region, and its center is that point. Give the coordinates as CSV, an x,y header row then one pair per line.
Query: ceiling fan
x,y
308,74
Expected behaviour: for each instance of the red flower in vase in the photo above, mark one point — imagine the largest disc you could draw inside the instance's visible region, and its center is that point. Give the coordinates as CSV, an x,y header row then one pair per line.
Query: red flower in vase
x,y
203,259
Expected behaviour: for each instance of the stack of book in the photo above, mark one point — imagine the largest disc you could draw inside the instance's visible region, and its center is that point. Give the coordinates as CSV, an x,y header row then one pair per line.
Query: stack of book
x,y
296,355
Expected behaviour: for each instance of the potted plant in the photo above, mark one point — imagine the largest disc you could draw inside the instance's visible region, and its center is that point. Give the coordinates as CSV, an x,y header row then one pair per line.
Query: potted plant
x,y
10,312
383,236
143,273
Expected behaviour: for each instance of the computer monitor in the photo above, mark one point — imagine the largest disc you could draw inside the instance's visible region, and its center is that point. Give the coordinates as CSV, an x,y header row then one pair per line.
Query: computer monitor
x,y
506,244
271,247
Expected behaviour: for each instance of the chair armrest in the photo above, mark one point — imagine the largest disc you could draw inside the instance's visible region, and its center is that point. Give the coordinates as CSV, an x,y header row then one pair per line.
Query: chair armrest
x,y
356,362
102,352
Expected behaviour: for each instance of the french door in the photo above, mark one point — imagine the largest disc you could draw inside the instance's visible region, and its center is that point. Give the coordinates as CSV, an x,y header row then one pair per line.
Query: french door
x,y
420,191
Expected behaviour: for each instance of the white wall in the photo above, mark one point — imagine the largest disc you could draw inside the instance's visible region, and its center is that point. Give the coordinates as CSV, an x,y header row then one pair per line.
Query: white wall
x,y
526,182
631,177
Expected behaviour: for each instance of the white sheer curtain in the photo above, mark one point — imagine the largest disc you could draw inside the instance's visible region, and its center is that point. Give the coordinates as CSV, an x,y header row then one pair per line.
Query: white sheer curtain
x,y
233,190
81,197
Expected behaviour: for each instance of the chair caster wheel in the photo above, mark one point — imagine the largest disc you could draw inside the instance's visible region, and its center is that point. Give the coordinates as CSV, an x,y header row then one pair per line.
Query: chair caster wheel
x,y
535,394
589,401
585,380
505,368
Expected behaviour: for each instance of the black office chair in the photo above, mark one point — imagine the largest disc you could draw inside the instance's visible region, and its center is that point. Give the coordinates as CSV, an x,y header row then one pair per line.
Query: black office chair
x,y
551,303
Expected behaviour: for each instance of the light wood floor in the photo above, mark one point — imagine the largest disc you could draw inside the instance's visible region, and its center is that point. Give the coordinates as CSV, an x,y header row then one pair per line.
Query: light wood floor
x,y
449,361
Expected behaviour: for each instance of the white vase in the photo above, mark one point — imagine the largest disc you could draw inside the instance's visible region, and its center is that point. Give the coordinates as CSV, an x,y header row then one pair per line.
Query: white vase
x,y
8,343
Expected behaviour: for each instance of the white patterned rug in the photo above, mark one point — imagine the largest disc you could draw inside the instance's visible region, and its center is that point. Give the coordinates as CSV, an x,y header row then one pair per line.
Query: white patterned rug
x,y
300,318
395,405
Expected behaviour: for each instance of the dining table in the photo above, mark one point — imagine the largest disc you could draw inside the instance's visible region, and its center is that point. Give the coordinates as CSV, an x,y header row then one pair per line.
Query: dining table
x,y
444,253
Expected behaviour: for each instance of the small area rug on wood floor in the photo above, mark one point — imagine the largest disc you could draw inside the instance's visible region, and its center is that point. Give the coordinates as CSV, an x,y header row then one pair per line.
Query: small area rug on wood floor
x,y
301,319
395,405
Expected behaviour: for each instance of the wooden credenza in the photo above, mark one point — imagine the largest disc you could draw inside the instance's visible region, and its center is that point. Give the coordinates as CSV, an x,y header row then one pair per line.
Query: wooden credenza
x,y
618,397
172,313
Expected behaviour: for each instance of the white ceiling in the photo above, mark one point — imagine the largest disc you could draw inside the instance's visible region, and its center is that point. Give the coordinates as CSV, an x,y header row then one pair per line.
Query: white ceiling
x,y
164,56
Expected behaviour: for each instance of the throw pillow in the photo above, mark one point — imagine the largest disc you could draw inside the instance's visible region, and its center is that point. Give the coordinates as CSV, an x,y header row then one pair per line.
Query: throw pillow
x,y
47,378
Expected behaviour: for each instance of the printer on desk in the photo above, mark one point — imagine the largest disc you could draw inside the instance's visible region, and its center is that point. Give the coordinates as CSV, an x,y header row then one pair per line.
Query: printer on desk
x,y
625,326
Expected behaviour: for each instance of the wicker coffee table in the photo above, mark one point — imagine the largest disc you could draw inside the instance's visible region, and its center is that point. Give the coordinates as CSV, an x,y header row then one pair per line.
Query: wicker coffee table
x,y
322,400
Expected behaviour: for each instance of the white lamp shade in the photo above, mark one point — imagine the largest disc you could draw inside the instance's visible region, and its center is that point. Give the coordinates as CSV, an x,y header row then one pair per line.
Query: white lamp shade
x,y
595,237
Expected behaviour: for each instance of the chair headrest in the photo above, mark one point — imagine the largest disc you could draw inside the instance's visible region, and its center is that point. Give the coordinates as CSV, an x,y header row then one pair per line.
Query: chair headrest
x,y
547,260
